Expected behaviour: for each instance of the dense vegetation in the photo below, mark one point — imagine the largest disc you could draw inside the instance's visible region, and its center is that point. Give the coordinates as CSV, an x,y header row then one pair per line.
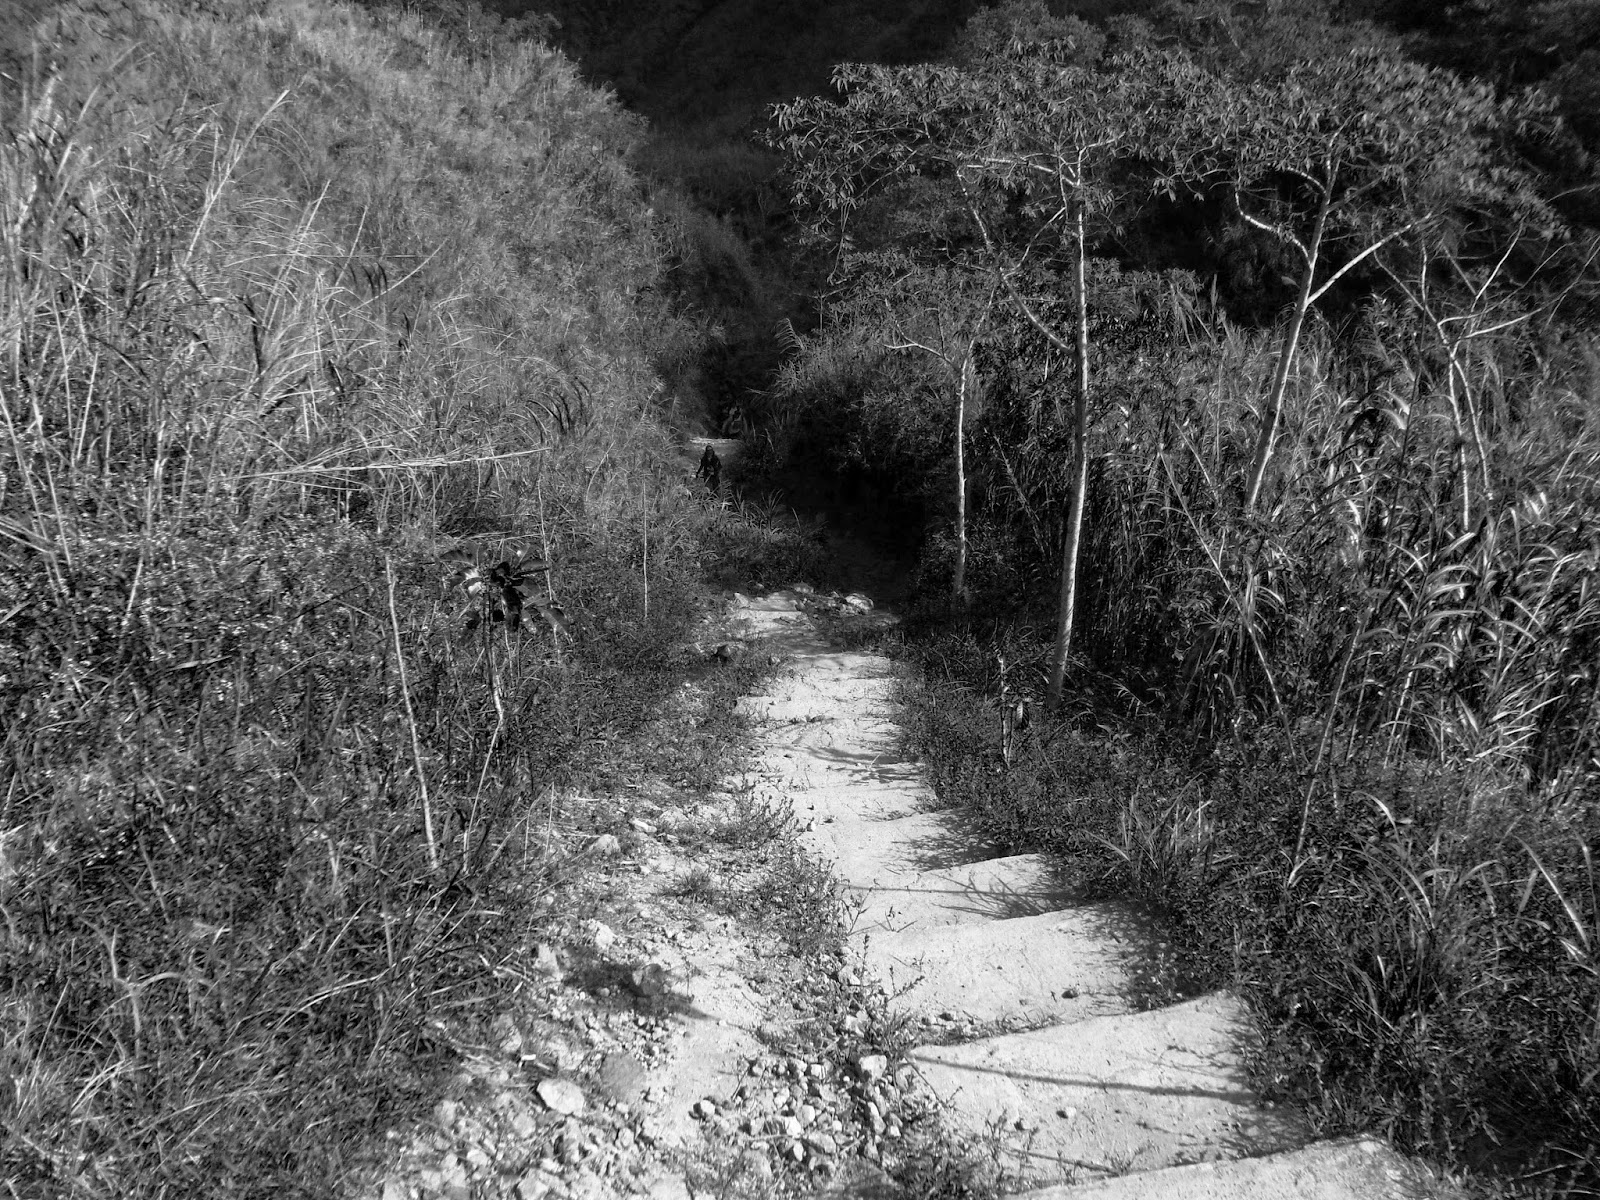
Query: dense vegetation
x,y
343,535
1240,357
1245,363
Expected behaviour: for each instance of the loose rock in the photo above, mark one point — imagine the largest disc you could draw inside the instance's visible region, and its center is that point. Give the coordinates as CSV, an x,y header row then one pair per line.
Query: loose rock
x,y
823,1143
667,1187
649,979
562,1096
545,962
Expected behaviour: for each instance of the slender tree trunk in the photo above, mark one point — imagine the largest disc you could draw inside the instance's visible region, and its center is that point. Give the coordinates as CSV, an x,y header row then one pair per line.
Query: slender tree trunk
x,y
1273,415
1067,609
958,585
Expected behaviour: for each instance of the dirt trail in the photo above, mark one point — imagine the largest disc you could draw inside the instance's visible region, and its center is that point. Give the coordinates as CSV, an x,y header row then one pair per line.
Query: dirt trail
x,y
662,1046
1029,1039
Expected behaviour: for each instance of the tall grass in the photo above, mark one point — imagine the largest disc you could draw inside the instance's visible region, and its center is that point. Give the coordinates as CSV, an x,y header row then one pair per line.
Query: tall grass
x,y
1348,747
292,300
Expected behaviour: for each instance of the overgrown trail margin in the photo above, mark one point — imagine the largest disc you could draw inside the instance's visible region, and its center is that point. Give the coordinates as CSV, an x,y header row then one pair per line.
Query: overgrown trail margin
x,y
1017,996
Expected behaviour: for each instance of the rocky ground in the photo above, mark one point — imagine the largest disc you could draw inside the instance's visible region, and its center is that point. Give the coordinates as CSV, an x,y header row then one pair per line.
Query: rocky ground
x,y
811,981
687,1025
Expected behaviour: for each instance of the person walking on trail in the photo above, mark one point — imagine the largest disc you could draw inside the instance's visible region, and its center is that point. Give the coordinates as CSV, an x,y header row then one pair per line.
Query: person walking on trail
x,y
710,469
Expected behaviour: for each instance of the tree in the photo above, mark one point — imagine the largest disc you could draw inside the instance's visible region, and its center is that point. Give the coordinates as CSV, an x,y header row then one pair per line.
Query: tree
x,y
942,315
1336,159
991,33
1039,144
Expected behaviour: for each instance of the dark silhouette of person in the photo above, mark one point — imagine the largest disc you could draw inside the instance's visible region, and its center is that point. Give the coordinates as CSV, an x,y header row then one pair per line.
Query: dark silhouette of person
x,y
710,469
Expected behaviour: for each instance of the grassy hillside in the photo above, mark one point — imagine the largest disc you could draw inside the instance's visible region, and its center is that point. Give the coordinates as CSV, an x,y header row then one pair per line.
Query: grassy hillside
x,y
341,522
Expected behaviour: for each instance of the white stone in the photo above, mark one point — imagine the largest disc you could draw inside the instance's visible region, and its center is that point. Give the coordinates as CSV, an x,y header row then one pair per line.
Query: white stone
x,y
545,962
667,1187
873,1067
562,1096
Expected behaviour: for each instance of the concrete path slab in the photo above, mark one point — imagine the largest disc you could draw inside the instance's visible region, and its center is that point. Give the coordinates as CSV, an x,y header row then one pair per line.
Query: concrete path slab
x,y
860,740
1114,1094
827,699
1349,1170
866,854
1059,967
829,800
833,763
996,889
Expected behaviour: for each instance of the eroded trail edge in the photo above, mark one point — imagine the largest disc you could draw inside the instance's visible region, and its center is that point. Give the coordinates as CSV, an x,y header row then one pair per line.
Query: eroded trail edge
x,y
1028,1040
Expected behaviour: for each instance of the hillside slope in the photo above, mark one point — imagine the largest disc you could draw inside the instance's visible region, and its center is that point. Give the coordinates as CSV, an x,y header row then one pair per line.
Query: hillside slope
x,y
341,521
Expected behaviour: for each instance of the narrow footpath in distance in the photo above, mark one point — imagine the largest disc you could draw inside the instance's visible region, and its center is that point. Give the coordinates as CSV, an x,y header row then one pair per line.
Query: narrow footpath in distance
x,y
1020,994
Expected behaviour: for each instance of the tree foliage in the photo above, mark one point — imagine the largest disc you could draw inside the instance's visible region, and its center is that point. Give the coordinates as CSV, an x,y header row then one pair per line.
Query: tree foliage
x,y
1338,158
